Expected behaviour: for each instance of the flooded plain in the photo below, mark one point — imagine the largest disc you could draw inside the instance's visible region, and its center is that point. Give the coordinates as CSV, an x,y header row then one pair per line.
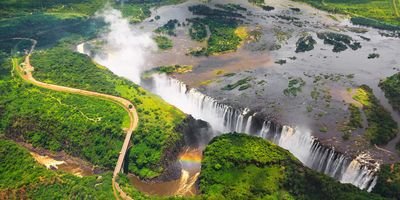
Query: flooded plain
x,y
343,71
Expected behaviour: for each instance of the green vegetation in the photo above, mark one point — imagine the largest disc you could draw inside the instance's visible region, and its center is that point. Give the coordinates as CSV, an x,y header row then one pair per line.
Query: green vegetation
x,y
57,64
169,69
180,69
294,86
375,13
242,83
163,42
288,18
50,22
388,184
281,38
354,122
391,87
257,2
244,87
373,55
355,117
268,8
156,134
374,23
295,9
305,43
46,28
280,62
340,42
79,125
381,126
168,28
222,24
22,178
323,129
229,74
126,186
135,12
198,31
238,166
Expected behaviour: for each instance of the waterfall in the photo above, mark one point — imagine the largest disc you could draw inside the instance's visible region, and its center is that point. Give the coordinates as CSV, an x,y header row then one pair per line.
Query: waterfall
x,y
224,118
81,48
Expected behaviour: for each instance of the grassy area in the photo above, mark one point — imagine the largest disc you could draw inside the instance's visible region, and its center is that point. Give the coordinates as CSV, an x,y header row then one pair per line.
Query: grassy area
x,y
163,42
294,86
226,34
81,126
391,87
381,126
170,69
23,178
134,12
240,83
198,31
375,13
354,122
238,166
355,117
168,28
156,134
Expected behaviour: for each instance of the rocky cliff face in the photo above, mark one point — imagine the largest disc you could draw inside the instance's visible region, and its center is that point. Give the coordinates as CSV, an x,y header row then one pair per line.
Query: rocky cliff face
x,y
194,134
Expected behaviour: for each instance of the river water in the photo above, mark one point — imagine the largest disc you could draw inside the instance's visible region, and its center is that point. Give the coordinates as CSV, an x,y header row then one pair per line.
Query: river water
x,y
129,51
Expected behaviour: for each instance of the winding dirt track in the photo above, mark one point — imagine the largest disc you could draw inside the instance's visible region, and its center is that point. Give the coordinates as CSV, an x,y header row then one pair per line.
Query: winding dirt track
x,y
26,73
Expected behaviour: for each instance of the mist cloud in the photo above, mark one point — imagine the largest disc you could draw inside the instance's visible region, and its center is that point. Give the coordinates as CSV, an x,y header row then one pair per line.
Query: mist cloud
x,y
126,50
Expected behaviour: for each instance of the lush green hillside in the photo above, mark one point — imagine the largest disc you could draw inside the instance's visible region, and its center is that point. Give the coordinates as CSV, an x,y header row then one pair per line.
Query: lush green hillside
x,y
388,184
375,13
237,166
381,126
22,178
79,125
391,87
156,134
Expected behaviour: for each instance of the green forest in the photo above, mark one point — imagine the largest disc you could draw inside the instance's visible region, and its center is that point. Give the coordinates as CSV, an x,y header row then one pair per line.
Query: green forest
x,y
156,134
238,166
391,87
79,125
375,13
381,126
24,178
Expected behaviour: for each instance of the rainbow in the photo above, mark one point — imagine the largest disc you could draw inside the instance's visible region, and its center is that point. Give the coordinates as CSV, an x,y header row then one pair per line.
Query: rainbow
x,y
190,159
191,156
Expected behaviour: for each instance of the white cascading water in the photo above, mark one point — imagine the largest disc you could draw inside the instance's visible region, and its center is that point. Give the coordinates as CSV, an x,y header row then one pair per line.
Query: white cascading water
x,y
81,48
300,143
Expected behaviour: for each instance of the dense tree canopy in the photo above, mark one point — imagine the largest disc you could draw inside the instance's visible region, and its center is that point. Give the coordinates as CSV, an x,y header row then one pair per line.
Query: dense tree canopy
x,y
238,166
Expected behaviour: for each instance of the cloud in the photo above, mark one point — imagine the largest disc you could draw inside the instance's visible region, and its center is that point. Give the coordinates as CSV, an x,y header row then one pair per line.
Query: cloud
x,y
126,50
